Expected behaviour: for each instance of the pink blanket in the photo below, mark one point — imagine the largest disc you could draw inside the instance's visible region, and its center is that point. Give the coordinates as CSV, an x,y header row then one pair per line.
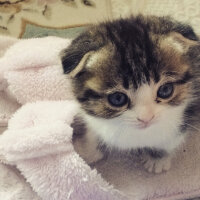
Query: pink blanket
x,y
37,103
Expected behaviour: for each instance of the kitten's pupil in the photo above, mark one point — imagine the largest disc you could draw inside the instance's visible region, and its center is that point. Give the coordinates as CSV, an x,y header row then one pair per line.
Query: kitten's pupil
x,y
117,99
165,91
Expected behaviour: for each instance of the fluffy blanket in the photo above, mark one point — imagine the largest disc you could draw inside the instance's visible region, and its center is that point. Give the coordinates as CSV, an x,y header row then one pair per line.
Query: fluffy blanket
x,y
36,150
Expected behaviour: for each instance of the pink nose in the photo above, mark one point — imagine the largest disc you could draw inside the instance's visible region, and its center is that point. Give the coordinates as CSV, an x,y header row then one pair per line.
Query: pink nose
x,y
146,119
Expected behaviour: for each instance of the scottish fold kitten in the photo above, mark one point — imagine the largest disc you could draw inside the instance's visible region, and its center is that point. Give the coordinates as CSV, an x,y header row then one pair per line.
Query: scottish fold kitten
x,y
137,81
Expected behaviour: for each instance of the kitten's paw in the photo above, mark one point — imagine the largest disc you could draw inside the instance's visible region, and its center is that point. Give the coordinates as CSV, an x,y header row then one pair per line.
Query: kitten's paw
x,y
157,165
93,157
87,147
88,152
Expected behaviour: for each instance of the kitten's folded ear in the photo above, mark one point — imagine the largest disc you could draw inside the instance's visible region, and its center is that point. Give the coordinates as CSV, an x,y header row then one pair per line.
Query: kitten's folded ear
x,y
186,31
167,24
184,35
74,57
179,42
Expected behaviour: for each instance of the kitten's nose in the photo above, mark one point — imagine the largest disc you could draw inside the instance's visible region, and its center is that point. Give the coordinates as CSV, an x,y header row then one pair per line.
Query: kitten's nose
x,y
145,119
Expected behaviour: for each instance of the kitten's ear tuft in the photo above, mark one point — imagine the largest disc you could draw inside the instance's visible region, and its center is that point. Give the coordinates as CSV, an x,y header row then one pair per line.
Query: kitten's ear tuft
x,y
73,58
70,60
185,36
78,65
178,42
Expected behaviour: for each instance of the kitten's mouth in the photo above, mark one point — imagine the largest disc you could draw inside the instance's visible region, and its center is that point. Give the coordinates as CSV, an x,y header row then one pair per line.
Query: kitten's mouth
x,y
143,125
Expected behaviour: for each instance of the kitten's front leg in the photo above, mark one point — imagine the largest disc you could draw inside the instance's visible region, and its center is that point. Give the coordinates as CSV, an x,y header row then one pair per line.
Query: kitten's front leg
x,y
157,164
86,146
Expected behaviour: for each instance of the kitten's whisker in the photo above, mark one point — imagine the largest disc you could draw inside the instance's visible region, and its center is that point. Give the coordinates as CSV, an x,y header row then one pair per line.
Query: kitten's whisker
x,y
129,122
192,127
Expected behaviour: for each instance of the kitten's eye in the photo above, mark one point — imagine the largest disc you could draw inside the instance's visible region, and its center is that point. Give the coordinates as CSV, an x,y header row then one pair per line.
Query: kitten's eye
x,y
117,99
165,91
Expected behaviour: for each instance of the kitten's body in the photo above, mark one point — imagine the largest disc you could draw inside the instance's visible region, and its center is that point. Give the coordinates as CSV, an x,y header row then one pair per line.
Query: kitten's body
x,y
121,73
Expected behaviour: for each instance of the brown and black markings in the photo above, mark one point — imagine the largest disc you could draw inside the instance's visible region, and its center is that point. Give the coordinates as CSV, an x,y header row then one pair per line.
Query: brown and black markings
x,y
122,55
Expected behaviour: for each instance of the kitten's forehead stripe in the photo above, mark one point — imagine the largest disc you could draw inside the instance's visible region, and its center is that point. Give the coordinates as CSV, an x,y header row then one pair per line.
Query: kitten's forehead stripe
x,y
125,83
135,51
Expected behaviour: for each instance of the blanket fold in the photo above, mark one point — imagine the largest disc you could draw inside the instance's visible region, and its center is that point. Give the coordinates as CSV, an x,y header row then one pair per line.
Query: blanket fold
x,y
39,142
31,71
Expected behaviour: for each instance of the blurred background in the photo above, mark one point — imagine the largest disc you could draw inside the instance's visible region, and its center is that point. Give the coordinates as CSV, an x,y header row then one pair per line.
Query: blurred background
x,y
67,18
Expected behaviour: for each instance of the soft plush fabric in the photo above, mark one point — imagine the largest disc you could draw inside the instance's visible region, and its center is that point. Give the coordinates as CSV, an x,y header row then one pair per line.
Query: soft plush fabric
x,y
39,142
30,71
38,160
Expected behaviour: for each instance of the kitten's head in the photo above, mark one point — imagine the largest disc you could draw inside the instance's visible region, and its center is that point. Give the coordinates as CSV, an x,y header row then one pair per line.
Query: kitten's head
x,y
138,70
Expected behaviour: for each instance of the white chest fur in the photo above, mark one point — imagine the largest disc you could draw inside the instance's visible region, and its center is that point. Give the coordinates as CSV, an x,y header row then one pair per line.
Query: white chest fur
x,y
163,134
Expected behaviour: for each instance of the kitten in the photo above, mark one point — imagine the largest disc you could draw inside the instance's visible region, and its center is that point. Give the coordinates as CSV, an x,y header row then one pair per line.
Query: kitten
x,y
137,81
